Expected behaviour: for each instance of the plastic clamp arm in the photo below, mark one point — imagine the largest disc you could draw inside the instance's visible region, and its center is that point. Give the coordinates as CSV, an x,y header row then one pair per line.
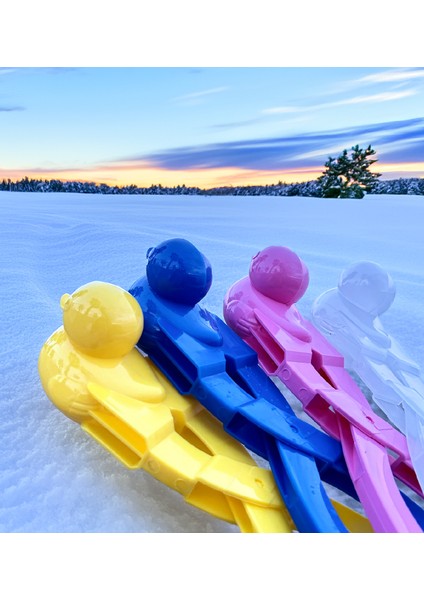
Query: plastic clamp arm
x,y
313,377
143,436
182,358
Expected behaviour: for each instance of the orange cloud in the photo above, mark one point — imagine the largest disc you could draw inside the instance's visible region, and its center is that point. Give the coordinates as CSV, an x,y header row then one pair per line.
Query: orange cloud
x,y
145,175
413,167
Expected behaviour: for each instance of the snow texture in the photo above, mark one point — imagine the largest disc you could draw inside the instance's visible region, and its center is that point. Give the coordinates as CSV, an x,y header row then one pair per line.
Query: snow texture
x,y
55,478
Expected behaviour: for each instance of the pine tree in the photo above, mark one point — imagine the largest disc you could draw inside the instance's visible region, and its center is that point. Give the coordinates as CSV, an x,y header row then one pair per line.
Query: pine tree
x,y
348,176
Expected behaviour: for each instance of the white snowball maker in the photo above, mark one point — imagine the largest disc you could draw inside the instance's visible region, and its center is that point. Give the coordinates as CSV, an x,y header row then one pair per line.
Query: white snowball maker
x,y
349,317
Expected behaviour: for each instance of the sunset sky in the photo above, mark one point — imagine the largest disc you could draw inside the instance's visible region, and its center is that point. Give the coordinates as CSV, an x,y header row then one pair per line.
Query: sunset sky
x,y
206,126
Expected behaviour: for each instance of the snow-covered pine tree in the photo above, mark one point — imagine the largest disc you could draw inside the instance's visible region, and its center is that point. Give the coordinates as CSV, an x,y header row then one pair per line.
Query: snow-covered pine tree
x,y
348,175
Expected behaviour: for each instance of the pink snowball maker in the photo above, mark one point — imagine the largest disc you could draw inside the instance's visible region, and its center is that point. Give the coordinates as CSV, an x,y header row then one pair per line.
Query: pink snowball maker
x,y
260,308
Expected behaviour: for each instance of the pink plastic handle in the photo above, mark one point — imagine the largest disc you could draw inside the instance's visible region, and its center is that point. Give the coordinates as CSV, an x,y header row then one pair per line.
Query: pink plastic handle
x,y
260,309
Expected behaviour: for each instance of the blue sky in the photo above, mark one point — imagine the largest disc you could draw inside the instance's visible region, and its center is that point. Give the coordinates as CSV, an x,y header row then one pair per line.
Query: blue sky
x,y
206,126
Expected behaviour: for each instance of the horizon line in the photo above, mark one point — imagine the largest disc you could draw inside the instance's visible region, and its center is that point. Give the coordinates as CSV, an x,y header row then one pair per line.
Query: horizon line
x,y
178,185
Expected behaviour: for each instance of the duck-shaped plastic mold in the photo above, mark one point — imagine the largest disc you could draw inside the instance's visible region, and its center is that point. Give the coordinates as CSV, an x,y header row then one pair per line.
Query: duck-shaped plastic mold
x,y
349,316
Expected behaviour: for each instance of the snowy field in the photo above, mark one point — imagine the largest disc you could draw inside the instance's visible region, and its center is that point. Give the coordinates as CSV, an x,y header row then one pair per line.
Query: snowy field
x,y
53,477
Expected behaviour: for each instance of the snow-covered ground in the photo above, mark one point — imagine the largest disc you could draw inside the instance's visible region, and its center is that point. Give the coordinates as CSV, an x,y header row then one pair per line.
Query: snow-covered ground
x,y
53,477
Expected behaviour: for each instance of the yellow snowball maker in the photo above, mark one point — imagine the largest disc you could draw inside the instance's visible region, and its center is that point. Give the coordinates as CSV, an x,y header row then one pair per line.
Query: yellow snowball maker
x,y
91,370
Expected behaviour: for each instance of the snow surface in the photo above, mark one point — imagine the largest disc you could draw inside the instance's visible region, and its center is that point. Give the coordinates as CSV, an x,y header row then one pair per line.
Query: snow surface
x,y
53,477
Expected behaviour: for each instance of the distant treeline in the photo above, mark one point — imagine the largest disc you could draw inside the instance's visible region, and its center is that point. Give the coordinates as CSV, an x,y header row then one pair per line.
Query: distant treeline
x,y
409,186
